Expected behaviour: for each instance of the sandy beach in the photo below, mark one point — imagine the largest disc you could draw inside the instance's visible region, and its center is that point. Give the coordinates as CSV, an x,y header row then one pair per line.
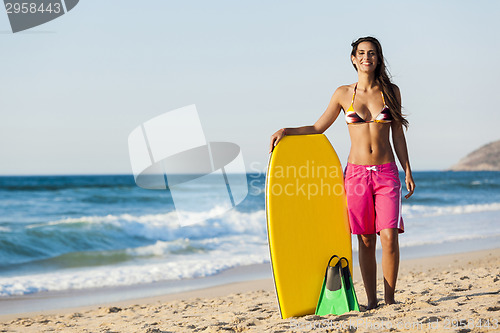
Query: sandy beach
x,y
457,293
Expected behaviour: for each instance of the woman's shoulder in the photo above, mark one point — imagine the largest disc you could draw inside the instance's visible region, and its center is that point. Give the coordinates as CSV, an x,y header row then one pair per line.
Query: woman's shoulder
x,y
346,89
342,95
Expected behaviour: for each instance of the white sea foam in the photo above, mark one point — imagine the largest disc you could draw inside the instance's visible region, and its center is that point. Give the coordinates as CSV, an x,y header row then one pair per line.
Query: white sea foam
x,y
183,267
166,226
160,248
424,210
444,239
198,250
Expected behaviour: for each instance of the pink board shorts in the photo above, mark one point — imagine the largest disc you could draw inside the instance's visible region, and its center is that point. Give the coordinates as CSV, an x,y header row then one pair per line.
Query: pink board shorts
x,y
373,197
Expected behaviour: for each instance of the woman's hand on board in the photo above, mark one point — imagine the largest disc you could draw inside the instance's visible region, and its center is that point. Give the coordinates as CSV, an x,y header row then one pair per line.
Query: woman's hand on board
x,y
275,138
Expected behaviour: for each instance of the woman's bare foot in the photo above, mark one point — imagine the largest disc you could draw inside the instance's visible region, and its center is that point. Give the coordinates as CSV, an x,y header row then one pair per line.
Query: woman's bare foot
x,y
390,301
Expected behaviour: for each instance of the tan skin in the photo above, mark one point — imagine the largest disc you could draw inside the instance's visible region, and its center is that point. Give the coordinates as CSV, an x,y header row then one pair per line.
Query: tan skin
x,y
370,145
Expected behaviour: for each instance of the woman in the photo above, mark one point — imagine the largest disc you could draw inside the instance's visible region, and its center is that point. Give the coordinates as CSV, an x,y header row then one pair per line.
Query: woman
x,y
372,183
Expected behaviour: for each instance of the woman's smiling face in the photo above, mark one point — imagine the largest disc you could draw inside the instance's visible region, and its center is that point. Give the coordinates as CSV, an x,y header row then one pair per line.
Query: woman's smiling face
x,y
366,59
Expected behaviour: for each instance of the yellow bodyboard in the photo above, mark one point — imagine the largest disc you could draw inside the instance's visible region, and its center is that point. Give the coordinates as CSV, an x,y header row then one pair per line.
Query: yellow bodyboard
x,y
307,219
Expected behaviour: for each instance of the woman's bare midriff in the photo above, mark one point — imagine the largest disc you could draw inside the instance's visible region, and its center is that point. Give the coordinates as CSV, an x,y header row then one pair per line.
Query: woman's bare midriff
x,y
370,144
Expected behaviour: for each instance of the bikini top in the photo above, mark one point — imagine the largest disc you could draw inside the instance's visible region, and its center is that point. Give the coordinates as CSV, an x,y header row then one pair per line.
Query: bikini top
x,y
351,117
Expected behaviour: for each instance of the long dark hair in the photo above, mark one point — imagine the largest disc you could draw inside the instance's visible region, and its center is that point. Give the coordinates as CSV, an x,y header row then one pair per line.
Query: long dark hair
x,y
383,79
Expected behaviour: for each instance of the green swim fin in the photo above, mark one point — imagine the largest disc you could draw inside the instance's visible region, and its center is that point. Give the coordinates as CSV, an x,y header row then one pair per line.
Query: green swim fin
x,y
333,297
349,287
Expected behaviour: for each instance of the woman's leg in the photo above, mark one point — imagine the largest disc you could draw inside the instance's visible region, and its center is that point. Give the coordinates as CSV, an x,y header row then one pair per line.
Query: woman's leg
x,y
390,262
368,266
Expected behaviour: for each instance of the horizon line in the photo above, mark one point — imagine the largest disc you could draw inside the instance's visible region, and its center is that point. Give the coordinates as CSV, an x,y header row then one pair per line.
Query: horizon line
x,y
130,174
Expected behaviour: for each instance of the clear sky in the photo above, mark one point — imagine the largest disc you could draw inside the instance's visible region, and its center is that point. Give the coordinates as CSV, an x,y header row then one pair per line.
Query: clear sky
x,y
73,89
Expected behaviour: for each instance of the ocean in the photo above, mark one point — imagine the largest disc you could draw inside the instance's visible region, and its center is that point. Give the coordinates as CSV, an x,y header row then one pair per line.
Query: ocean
x,y
63,233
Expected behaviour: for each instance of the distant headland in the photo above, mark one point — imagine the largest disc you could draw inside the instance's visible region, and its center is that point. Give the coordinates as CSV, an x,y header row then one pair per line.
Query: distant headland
x,y
486,158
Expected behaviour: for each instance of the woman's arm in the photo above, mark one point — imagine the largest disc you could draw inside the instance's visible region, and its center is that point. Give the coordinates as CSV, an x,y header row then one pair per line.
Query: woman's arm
x,y
326,120
399,141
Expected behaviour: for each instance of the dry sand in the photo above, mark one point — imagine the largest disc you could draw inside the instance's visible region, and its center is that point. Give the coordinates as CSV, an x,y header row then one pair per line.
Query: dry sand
x,y
457,293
